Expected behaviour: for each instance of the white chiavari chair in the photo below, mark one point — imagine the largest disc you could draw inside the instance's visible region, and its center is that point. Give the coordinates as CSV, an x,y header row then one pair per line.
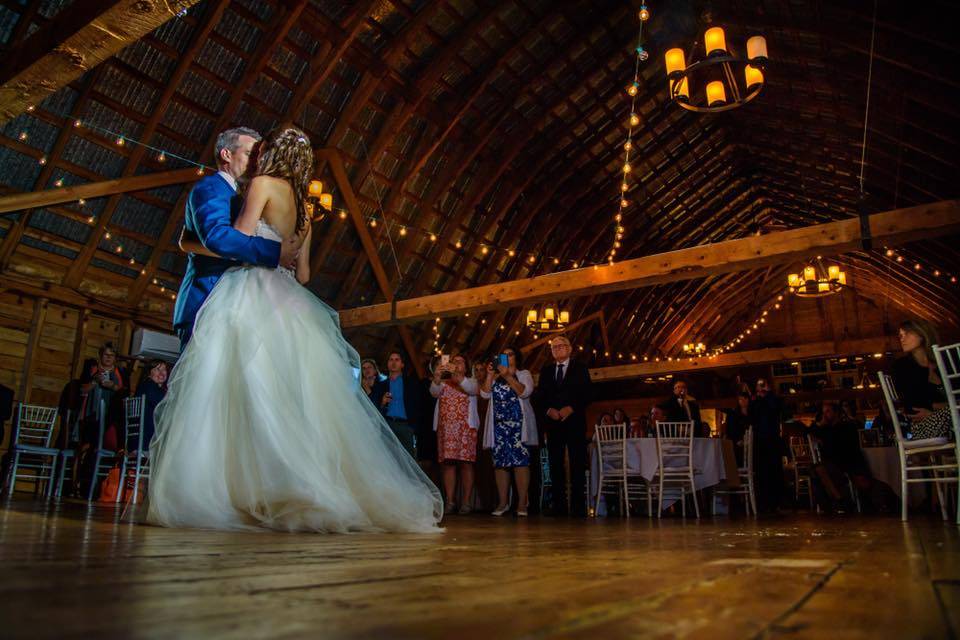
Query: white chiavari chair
x,y
31,455
745,475
137,458
802,460
918,456
675,458
546,483
948,362
102,458
610,442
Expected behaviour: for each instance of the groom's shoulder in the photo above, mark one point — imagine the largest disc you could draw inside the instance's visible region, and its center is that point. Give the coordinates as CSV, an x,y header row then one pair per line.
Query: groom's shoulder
x,y
210,184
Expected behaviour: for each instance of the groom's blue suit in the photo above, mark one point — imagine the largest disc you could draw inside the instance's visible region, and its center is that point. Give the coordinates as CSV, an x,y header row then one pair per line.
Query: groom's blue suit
x,y
210,210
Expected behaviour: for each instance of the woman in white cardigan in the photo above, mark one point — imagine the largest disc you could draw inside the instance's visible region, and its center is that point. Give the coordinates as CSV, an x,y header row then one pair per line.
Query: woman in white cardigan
x,y
510,428
455,420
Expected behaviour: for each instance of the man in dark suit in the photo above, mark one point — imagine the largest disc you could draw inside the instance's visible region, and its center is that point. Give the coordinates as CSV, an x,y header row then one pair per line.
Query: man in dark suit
x,y
564,391
399,398
679,408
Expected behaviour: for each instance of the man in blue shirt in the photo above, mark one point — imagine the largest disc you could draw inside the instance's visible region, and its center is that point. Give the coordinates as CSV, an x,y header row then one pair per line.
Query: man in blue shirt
x,y
399,399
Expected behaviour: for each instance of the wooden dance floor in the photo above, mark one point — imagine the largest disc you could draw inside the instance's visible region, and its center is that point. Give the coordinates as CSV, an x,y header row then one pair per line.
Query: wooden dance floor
x,y
72,571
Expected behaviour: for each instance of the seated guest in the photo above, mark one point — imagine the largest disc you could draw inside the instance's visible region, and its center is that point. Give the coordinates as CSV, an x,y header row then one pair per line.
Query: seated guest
x,y
620,417
680,408
369,375
398,398
640,426
510,428
456,421
152,387
73,399
605,419
917,380
736,422
841,457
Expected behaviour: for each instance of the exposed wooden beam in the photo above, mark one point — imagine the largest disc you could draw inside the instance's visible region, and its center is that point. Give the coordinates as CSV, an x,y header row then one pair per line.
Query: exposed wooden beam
x,y
74,299
333,159
78,39
746,358
891,227
60,195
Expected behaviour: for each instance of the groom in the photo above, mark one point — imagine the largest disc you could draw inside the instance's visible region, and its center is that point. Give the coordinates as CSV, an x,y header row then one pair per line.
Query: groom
x,y
211,207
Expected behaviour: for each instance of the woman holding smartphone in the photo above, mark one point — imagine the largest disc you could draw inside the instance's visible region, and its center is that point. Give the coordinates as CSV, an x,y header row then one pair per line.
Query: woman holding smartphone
x,y
918,382
455,420
510,427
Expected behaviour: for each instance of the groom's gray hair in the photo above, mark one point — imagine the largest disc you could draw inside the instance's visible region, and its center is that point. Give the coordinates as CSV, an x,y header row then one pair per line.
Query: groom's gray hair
x,y
230,139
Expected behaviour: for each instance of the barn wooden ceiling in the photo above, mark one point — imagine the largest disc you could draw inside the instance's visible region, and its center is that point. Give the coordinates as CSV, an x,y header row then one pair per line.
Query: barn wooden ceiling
x,y
500,123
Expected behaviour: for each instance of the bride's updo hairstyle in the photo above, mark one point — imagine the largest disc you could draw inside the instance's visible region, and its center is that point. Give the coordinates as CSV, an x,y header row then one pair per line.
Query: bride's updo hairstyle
x,y
286,153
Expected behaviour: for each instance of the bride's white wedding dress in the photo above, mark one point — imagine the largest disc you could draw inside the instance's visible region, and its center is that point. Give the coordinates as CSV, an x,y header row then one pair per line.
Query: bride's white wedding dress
x,y
266,425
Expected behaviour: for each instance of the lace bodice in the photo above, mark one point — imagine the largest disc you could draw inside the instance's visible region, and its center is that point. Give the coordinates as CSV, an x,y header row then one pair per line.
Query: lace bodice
x,y
268,231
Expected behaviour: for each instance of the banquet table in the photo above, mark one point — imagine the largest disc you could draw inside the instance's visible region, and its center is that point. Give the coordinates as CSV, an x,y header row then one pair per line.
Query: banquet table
x,y
884,463
708,463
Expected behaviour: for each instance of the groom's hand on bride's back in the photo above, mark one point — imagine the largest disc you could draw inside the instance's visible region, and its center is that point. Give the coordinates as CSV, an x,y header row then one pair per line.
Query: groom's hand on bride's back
x,y
289,250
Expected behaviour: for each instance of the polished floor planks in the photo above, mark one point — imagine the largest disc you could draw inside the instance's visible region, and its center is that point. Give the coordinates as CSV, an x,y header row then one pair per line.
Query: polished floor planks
x,y
70,570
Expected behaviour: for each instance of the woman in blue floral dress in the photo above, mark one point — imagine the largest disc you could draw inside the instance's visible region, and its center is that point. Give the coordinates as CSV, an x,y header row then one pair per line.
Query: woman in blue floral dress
x,y
510,428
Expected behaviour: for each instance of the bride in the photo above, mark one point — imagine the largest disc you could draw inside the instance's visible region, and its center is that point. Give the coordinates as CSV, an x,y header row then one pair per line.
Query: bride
x,y
265,424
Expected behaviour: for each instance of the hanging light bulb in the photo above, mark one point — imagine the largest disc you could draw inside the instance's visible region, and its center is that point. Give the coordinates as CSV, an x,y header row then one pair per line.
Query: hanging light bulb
x,y
120,141
403,231
162,157
77,123
627,168
624,202
343,215
58,183
632,89
642,54
373,222
644,13
42,160
624,187
627,146
484,250
459,245
433,237
23,136
634,119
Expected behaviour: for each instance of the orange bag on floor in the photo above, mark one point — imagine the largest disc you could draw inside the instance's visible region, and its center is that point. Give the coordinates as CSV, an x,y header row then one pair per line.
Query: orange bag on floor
x,y
111,486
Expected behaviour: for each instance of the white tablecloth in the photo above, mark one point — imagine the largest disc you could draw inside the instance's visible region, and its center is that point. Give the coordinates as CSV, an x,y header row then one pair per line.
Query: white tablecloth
x,y
642,458
884,463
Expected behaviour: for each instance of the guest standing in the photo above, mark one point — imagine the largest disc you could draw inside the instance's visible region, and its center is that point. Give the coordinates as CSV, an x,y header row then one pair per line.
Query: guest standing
x,y
680,408
510,428
766,413
917,379
737,420
369,375
153,388
399,400
456,421
565,391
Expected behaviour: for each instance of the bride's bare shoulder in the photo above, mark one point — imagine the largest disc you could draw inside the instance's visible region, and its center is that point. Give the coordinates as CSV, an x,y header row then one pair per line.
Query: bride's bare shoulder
x,y
270,183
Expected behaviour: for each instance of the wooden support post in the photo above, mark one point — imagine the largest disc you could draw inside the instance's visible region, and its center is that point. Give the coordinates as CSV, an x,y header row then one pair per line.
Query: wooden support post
x,y
79,338
334,160
29,360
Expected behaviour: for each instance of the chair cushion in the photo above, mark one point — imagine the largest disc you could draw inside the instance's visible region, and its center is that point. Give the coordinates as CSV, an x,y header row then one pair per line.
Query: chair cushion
x,y
925,442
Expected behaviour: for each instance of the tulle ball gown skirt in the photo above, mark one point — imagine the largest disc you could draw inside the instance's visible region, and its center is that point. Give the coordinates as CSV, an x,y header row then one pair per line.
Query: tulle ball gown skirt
x,y
266,426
